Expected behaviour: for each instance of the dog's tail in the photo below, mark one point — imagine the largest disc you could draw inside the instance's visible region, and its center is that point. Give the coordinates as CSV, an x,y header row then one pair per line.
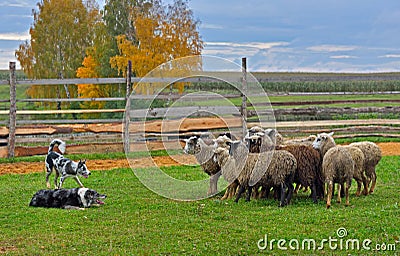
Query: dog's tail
x,y
61,145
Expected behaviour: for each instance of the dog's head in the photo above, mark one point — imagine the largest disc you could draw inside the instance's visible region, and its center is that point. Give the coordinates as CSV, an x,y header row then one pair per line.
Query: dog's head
x,y
82,169
90,197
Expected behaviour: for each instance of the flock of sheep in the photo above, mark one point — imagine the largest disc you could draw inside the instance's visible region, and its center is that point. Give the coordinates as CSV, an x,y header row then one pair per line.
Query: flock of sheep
x,y
263,161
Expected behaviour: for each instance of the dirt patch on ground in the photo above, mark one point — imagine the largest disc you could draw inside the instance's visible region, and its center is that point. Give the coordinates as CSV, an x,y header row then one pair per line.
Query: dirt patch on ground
x,y
108,164
388,149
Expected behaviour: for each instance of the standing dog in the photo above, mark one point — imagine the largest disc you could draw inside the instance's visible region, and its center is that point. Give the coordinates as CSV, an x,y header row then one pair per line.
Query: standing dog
x,y
63,166
74,198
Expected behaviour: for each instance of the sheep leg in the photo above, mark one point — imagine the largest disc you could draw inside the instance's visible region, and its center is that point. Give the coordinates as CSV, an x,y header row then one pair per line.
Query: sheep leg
x,y
283,195
256,192
240,192
348,184
373,178
249,192
329,194
339,190
365,184
277,190
234,189
342,190
358,192
214,183
230,191
368,181
314,192
359,182
289,192
320,189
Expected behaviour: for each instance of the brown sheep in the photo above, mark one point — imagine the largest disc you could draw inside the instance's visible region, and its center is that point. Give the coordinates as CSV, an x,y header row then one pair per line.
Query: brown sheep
x,y
308,171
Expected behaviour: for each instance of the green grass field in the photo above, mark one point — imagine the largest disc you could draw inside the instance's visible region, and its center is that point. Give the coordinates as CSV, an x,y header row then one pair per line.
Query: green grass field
x,y
136,221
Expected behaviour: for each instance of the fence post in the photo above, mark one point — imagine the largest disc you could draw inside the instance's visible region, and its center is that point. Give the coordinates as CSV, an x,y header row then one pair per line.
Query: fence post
x,y
127,145
244,97
13,111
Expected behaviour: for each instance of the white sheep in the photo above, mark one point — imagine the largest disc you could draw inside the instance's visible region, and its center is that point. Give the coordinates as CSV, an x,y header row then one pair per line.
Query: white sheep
x,y
358,175
337,165
204,155
373,155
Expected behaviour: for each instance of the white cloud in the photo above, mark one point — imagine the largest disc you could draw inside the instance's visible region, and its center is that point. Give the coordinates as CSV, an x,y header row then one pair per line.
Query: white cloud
x,y
6,57
234,51
257,45
390,56
211,26
331,48
15,36
343,57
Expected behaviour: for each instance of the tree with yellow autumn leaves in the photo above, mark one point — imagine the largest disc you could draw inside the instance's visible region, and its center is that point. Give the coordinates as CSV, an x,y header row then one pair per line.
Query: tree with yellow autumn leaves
x,y
162,33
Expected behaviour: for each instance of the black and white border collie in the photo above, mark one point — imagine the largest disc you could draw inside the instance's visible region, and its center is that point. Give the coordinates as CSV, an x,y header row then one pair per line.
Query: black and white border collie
x,y
74,198
63,166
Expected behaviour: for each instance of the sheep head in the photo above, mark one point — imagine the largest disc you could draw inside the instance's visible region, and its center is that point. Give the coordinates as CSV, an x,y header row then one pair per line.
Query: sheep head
x,y
220,155
191,145
323,142
222,141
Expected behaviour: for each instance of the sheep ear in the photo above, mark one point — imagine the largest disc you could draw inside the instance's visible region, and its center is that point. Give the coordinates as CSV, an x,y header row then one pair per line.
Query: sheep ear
x,y
331,134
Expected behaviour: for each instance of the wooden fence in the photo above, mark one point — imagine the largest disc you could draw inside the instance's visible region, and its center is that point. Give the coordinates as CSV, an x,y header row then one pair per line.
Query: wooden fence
x,y
106,131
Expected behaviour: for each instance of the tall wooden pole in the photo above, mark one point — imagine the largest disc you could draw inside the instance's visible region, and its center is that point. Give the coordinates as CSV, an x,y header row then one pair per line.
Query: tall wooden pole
x,y
13,111
127,145
244,97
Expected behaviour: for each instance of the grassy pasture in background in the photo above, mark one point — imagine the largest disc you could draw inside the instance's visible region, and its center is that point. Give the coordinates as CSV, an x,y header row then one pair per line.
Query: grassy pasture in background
x,y
136,221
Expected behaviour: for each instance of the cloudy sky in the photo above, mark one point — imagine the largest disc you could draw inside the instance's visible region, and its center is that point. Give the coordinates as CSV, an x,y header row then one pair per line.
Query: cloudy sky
x,y
307,35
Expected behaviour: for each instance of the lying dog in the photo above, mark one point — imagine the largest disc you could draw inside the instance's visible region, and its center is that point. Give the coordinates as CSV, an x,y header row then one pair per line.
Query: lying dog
x,y
74,198
63,166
